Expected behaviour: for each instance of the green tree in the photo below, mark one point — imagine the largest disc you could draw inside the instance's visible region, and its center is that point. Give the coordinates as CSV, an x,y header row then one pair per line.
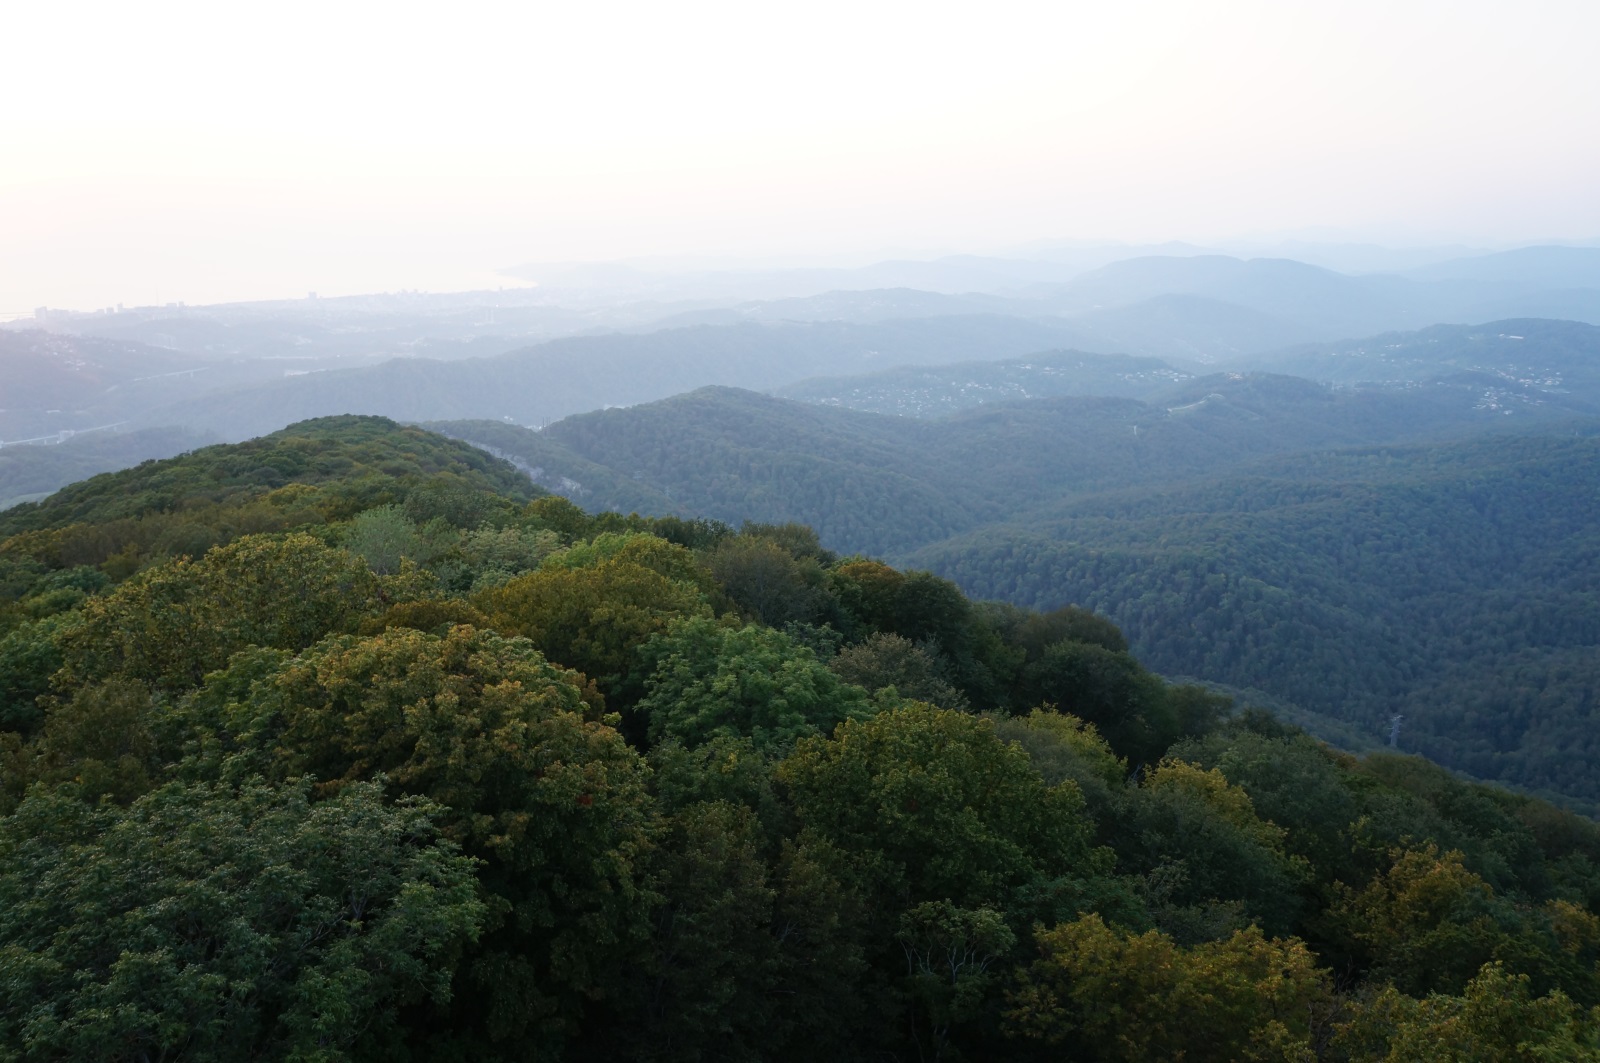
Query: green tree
x,y
29,655
99,739
1107,688
1496,1018
1062,747
769,584
209,923
707,987
888,660
708,680
495,556
1202,842
938,807
948,953
172,624
595,616
1133,998
932,613
1037,632
383,537
1426,924
1294,782
530,780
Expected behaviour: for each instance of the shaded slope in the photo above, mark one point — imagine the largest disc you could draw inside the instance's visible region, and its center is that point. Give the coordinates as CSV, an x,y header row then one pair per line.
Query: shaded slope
x,y
1455,584
885,485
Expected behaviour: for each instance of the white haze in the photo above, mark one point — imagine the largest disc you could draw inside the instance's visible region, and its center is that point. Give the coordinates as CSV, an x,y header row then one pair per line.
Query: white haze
x,y
202,152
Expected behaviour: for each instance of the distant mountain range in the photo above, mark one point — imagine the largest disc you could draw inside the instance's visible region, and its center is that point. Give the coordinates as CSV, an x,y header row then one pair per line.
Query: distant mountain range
x,y
237,371
1326,305
737,455
1507,365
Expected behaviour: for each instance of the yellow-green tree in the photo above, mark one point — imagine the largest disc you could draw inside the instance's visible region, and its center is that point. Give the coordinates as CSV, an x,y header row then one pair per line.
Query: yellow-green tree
x,y
1200,840
1124,998
939,807
530,780
1496,1018
594,615
1425,924
169,626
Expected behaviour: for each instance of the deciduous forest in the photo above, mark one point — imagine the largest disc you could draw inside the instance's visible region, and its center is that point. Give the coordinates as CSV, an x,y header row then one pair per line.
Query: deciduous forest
x,y
349,743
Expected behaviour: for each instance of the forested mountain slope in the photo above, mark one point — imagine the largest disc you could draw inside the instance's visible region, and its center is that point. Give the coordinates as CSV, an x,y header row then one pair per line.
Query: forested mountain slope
x,y
360,456
1455,584
397,762
888,484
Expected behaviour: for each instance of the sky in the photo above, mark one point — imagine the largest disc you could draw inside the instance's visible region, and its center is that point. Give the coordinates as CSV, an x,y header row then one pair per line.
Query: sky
x,y
202,152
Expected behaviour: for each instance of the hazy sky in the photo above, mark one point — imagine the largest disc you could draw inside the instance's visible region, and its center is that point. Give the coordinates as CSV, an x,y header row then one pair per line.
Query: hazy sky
x,y
203,151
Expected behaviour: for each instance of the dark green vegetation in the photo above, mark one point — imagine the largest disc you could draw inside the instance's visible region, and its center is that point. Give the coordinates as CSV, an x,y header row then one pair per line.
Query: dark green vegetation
x,y
343,745
886,484
1455,584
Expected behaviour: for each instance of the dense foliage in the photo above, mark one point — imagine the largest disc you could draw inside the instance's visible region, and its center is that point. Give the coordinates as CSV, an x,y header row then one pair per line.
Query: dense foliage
x,y
1454,584
437,772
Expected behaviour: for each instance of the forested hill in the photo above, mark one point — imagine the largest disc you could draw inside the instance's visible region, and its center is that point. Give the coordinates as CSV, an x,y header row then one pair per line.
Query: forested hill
x,y
57,385
339,746
885,485
308,472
